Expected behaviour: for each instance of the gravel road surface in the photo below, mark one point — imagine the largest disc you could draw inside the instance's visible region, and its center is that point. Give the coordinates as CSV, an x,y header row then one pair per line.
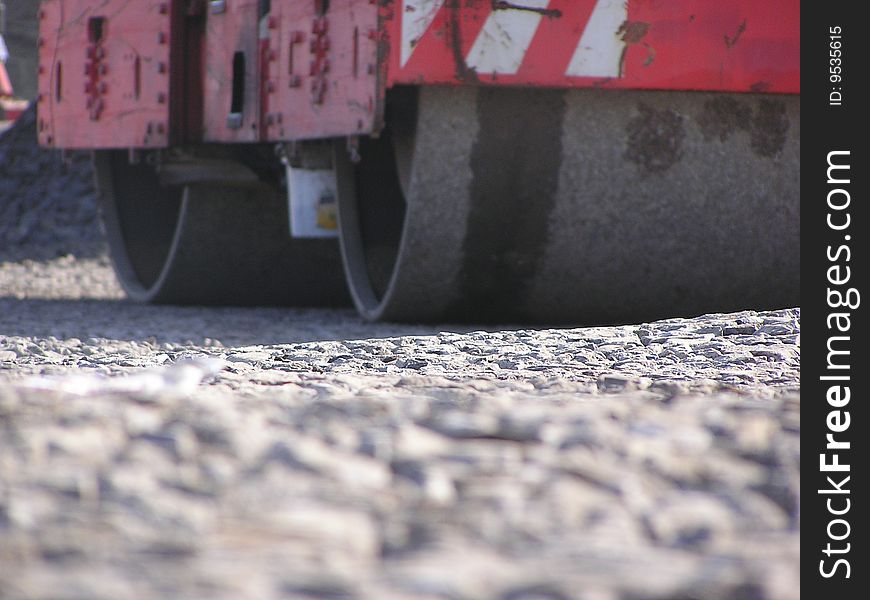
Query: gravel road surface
x,y
162,452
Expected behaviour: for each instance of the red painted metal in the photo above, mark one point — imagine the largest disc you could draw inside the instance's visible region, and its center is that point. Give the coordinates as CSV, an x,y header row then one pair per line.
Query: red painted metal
x,y
232,49
326,81
116,73
736,45
5,84
104,73
307,74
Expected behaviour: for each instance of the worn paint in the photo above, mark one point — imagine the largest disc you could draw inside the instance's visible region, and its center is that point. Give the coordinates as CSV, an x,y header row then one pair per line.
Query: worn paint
x,y
104,76
146,98
731,41
629,44
322,70
417,15
501,45
464,72
601,48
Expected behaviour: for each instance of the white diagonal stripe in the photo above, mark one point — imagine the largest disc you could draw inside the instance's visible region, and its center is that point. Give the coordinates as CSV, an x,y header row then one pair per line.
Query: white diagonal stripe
x,y
600,48
417,15
505,38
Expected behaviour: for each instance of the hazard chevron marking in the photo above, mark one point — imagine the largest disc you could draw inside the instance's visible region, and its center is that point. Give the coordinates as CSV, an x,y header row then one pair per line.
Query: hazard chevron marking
x,y
506,35
504,40
600,49
620,44
417,15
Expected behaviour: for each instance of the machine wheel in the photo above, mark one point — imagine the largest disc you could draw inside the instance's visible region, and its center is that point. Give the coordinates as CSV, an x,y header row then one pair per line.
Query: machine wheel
x,y
580,206
209,244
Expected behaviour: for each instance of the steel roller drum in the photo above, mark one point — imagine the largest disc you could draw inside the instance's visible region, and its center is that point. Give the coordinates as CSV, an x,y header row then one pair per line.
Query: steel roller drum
x,y
209,243
573,206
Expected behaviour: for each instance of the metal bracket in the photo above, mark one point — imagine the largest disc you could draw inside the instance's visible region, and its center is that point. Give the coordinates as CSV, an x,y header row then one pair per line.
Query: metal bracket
x,y
218,7
353,149
234,121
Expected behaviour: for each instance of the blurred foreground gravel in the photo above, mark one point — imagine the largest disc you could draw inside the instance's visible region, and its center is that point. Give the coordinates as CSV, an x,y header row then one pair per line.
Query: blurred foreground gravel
x,y
161,452
194,453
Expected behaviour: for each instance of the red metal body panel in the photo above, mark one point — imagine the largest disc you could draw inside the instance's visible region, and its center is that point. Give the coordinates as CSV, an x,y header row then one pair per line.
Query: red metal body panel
x,y
104,70
227,33
736,45
324,78
150,73
307,75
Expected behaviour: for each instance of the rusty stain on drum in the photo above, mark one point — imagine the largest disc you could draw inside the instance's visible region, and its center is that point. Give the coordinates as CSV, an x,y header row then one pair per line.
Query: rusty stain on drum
x,y
767,125
655,139
769,128
722,116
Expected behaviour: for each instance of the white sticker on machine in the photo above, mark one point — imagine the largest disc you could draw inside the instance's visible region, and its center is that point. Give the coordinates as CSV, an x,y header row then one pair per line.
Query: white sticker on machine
x,y
313,203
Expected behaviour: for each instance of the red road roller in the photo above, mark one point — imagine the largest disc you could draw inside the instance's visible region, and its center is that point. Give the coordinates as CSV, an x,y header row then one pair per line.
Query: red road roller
x,y
554,161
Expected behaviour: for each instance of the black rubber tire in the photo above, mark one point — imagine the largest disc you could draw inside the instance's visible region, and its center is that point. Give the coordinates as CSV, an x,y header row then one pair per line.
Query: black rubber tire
x,y
209,244
580,206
